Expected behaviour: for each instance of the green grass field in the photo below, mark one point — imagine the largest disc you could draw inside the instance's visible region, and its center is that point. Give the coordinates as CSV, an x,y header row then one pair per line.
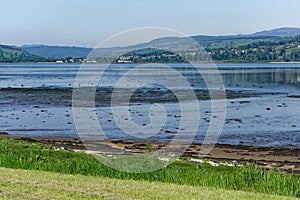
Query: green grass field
x,y
26,184
180,178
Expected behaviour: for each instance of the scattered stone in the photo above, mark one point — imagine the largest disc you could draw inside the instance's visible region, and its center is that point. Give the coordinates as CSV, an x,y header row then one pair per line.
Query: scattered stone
x,y
244,102
294,96
167,131
206,119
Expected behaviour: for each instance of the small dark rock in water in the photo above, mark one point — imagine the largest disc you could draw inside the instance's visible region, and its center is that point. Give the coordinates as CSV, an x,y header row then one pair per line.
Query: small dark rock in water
x,y
234,120
43,110
206,119
294,96
257,115
69,122
284,105
3,133
243,102
268,108
167,131
36,106
294,126
238,120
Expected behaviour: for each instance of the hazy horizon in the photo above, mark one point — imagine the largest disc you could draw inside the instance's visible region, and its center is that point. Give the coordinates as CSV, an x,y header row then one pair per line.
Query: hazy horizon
x,y
70,45
87,23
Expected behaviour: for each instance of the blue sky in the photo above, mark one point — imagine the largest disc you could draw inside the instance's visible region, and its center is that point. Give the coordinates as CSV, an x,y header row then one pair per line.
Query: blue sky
x,y
88,22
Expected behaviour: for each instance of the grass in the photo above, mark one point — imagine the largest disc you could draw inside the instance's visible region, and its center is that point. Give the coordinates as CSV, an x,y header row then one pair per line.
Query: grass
x,y
24,155
25,184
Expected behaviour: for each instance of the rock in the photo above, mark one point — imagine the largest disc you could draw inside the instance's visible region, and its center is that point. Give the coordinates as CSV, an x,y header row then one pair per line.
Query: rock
x,y
294,96
3,133
167,131
244,102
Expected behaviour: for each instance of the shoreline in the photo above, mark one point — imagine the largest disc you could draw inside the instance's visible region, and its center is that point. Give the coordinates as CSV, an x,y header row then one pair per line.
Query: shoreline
x,y
213,62
271,158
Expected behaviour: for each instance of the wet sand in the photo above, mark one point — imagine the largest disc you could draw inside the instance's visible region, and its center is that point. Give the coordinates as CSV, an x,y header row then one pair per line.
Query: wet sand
x,y
284,160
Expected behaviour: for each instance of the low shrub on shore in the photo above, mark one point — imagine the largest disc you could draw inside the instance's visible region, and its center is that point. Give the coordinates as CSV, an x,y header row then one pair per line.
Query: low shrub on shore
x,y
34,156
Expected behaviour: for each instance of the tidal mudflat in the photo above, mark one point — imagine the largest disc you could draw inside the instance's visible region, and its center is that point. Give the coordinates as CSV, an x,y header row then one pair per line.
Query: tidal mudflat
x,y
262,103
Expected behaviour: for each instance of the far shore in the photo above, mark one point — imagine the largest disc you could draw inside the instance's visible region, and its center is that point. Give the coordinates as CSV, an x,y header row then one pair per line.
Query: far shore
x,y
212,62
284,62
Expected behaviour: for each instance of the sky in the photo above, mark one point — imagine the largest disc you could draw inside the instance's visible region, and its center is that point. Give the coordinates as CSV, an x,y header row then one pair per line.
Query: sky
x,y
89,22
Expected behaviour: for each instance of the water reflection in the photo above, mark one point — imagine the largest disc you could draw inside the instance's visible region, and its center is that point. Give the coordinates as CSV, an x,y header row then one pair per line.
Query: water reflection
x,y
268,77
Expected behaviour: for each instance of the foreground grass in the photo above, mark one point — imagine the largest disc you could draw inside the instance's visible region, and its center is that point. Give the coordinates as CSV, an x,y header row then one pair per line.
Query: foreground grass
x,y
25,184
34,156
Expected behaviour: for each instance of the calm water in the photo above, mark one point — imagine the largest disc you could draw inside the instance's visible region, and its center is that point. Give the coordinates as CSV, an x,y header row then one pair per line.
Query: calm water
x,y
262,106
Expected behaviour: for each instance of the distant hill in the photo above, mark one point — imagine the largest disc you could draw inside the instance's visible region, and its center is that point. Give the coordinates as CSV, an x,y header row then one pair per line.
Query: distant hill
x,y
167,43
14,54
57,52
279,32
